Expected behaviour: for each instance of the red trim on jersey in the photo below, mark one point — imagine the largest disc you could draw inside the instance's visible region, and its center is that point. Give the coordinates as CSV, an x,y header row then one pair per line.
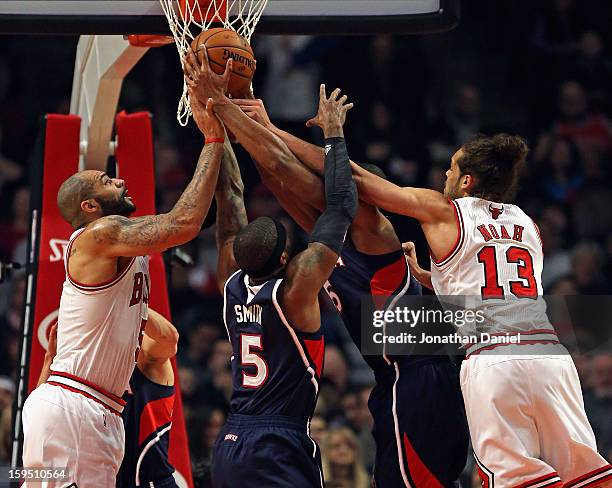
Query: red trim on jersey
x,y
98,286
91,397
534,481
99,389
386,281
484,477
485,474
155,415
316,351
422,477
522,343
588,475
460,237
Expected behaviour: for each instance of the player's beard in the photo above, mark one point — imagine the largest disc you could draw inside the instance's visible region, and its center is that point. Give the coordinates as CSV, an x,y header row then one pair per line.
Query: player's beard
x,y
453,192
120,206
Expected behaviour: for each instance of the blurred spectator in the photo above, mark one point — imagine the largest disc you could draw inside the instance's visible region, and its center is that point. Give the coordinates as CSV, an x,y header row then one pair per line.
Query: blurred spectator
x,y
189,384
203,427
553,225
14,229
342,467
355,408
589,131
336,370
7,392
10,171
587,266
201,339
10,326
592,220
457,126
318,429
598,401
593,70
290,79
558,29
560,172
5,435
217,388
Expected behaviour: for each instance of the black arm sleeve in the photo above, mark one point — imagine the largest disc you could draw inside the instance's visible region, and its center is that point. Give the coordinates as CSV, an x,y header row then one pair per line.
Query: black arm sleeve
x,y
340,195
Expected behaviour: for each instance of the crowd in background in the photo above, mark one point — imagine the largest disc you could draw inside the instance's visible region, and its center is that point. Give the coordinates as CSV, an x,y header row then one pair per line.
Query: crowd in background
x,y
543,71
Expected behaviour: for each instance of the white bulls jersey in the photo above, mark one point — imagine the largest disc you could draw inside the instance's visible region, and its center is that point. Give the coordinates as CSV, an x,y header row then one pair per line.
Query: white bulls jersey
x,y
99,326
495,266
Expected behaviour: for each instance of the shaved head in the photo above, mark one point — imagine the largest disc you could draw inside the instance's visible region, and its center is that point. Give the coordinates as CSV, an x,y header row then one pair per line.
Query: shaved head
x,y
74,190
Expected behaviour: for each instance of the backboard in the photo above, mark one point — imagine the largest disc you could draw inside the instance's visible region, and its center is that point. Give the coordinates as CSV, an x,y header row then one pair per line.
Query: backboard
x,y
280,17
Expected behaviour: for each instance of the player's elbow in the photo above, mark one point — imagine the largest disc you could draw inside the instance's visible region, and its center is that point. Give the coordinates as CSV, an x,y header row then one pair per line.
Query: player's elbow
x,y
173,337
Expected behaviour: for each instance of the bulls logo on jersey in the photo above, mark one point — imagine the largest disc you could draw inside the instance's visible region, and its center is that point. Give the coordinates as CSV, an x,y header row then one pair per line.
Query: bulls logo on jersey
x,y
495,211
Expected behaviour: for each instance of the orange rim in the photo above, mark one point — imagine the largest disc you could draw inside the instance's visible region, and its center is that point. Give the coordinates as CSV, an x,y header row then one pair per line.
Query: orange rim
x,y
149,40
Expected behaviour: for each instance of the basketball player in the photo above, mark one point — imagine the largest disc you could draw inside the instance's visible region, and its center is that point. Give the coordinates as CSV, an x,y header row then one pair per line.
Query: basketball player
x,y
74,419
272,315
417,443
523,401
147,415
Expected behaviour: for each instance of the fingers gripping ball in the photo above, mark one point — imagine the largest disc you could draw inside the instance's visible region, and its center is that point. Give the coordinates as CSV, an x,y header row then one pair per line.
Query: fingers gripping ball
x,y
221,45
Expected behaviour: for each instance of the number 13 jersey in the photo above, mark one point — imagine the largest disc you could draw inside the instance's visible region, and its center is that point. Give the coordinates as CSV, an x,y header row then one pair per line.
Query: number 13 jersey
x,y
275,368
495,266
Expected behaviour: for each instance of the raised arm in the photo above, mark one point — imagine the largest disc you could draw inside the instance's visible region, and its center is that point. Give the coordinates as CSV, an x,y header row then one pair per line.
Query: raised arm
x,y
371,231
419,203
302,213
159,345
231,214
308,271
160,339
311,155
121,236
270,152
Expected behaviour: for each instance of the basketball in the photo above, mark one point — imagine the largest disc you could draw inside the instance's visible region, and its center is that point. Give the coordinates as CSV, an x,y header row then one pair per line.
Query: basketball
x,y
221,45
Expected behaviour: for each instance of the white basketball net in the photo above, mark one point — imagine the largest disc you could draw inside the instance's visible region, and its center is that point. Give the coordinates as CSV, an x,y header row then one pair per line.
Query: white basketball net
x,y
241,16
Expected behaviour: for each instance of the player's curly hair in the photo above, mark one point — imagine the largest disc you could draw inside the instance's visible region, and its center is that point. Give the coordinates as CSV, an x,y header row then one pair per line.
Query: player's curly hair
x,y
496,163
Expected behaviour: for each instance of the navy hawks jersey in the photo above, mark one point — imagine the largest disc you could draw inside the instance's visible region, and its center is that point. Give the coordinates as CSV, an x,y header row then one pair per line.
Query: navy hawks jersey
x,y
147,418
377,277
276,368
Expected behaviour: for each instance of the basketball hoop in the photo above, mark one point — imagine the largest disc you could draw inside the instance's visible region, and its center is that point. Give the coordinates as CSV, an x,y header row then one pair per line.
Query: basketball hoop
x,y
186,16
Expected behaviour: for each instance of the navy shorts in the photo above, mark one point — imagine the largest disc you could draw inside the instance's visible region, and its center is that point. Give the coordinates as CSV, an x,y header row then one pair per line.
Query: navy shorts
x,y
168,482
419,415
265,451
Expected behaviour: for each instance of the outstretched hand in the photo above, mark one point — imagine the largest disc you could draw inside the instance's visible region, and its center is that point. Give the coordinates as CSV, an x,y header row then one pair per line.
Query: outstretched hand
x,y
203,81
331,114
204,116
421,275
255,109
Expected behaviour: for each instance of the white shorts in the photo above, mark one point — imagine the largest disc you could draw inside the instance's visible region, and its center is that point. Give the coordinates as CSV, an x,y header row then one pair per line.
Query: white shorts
x,y
66,429
527,421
